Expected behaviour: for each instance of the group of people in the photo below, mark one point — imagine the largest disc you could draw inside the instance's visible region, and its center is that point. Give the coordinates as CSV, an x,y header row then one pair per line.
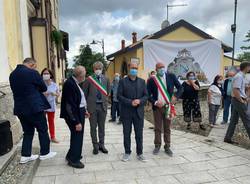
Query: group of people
x,y
35,95
232,93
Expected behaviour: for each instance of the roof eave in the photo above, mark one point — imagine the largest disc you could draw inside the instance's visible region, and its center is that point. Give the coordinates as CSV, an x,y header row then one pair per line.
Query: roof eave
x,y
180,23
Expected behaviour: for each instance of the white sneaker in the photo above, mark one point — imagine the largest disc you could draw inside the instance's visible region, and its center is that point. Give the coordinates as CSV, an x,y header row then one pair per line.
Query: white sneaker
x,y
141,158
48,156
126,157
24,160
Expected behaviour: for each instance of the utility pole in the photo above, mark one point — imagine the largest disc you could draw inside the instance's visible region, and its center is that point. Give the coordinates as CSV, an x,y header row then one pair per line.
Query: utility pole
x,y
173,6
233,29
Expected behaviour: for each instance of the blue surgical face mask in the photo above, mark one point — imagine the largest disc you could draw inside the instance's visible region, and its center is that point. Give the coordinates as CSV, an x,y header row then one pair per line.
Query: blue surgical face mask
x,y
133,72
161,71
117,78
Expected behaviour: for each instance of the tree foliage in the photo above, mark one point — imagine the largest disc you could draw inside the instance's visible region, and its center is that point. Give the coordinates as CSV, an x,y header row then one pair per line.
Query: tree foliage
x,y
245,56
87,58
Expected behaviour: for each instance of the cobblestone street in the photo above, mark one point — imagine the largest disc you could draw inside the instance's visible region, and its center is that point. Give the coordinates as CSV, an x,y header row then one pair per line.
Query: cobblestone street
x,y
195,160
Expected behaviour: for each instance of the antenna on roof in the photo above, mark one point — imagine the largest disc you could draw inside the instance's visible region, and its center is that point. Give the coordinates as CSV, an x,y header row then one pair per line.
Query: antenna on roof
x,y
166,23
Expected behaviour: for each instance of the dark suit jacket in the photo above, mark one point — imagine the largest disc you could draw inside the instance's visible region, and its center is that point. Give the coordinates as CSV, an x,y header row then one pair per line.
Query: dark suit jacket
x,y
27,86
225,85
125,97
70,103
171,82
90,93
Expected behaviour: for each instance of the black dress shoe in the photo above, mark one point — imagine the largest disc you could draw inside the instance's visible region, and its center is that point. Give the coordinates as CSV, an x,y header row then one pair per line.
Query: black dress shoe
x,y
78,165
156,150
169,152
229,141
67,158
202,127
103,149
95,151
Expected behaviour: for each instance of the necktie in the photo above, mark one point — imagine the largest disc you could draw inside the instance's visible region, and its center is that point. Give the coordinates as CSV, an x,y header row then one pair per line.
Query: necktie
x,y
98,94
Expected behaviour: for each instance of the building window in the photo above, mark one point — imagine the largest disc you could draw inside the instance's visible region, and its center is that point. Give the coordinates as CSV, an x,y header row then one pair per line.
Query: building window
x,y
124,68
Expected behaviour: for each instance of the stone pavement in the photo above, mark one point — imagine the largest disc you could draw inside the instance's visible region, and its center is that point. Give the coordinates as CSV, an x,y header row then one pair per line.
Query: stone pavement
x,y
195,160
218,133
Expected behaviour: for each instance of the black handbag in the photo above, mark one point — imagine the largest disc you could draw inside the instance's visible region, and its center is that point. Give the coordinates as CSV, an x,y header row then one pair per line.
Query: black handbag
x,y
6,141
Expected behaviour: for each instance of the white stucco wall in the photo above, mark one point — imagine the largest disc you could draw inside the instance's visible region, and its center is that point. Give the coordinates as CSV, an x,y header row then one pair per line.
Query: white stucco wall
x,y
4,66
25,29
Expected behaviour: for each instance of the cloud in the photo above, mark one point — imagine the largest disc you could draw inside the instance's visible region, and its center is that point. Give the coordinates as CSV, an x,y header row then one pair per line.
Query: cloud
x,y
86,7
114,20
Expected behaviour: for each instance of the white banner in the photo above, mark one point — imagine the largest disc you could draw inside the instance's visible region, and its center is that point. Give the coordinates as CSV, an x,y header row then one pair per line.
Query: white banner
x,y
202,57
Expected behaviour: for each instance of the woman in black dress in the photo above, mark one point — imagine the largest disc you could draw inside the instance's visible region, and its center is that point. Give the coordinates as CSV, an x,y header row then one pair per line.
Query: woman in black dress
x,y
191,103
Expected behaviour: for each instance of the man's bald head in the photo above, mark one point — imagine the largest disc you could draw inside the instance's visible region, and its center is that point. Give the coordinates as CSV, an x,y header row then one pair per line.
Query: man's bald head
x,y
117,75
159,65
79,73
160,68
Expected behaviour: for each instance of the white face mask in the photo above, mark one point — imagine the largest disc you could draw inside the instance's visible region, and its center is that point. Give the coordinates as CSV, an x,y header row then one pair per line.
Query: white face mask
x,y
220,82
98,72
46,76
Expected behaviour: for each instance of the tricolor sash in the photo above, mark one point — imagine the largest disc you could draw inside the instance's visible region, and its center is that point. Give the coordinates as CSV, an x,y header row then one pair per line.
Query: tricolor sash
x,y
98,85
170,109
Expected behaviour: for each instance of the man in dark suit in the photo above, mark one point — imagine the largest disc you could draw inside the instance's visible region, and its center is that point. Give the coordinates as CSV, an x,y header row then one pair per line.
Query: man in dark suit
x,y
159,105
96,89
29,104
132,94
73,110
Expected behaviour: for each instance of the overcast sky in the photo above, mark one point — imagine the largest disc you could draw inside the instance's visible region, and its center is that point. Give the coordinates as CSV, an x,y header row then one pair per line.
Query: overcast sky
x,y
114,20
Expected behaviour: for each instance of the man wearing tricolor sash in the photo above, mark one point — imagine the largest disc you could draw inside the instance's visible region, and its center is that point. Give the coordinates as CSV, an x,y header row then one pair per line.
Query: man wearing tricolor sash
x,y
96,89
162,96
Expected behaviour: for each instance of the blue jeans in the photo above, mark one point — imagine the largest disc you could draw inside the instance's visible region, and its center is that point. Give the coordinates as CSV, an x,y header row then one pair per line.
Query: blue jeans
x,y
227,104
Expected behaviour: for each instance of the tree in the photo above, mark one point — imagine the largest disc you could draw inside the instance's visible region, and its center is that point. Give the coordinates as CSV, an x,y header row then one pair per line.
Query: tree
x,y
68,71
87,58
245,56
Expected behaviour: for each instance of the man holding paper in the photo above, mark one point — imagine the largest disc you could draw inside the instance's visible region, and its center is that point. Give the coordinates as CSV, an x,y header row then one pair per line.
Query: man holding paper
x,y
162,96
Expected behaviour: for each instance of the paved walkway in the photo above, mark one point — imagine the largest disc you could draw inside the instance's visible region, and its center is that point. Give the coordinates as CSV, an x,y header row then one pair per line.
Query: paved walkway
x,y
218,133
195,160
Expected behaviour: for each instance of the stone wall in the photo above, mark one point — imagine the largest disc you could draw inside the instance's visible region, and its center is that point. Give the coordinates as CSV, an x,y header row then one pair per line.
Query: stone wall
x,y
6,111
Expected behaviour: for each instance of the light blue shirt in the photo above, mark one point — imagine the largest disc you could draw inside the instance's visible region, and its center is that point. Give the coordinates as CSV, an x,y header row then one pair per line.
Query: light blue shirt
x,y
229,87
239,82
52,88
